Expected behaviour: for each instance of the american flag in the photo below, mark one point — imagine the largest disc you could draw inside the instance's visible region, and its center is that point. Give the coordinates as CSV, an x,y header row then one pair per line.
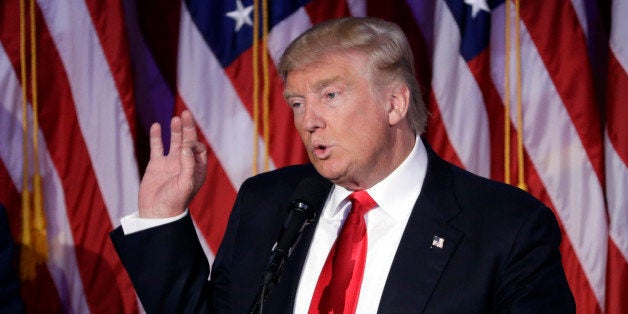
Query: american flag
x,y
530,92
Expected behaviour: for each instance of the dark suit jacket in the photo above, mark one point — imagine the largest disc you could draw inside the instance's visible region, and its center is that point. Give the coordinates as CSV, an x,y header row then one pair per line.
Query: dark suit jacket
x,y
499,255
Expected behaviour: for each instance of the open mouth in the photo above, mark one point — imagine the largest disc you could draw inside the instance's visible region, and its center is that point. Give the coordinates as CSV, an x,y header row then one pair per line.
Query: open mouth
x,y
320,151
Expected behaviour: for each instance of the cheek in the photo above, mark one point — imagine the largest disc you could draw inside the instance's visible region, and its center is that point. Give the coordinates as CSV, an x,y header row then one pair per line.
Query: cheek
x,y
295,117
364,124
303,134
298,121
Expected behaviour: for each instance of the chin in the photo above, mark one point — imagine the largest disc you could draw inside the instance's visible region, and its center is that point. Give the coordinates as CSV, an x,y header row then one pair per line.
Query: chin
x,y
326,172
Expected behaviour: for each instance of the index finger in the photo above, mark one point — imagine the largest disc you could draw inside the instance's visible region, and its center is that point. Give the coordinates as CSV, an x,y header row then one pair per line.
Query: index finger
x,y
156,145
189,127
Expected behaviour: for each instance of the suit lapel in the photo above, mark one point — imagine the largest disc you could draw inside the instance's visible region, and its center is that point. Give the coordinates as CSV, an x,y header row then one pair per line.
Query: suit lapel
x,y
418,264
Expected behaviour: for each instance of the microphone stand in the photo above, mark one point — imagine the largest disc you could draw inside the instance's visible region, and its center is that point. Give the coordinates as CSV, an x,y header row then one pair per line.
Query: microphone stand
x,y
300,216
258,305
306,200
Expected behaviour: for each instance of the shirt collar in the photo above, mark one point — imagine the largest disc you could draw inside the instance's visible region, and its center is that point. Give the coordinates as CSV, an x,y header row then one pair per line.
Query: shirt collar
x,y
402,186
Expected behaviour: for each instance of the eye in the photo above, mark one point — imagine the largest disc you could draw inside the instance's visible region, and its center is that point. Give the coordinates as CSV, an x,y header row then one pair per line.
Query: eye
x,y
296,104
331,95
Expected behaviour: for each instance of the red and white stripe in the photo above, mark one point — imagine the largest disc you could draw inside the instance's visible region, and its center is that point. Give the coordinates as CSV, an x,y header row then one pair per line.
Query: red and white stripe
x,y
90,177
109,144
225,125
62,263
560,158
458,96
616,146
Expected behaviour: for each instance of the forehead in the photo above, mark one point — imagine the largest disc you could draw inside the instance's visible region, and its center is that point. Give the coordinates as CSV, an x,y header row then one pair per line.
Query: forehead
x,y
343,69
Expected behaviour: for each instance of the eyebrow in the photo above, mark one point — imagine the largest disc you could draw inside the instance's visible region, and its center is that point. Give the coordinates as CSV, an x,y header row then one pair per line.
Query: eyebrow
x,y
317,86
326,82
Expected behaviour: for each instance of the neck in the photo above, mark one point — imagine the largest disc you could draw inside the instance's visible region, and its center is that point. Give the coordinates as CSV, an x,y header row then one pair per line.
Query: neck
x,y
402,144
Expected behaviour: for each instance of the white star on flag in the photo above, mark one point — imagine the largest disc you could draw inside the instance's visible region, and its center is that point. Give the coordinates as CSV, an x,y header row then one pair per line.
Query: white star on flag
x,y
241,15
477,5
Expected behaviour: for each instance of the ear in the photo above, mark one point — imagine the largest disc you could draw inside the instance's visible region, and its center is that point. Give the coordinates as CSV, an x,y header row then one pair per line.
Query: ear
x,y
398,103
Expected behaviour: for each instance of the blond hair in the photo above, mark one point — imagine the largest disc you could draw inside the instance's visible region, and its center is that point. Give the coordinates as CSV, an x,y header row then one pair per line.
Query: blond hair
x,y
384,44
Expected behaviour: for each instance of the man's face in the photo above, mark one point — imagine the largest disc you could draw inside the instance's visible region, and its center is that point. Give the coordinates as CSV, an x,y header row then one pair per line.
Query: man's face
x,y
342,119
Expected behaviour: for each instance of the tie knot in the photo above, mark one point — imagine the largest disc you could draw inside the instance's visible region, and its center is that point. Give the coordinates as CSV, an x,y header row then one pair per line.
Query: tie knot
x,y
361,202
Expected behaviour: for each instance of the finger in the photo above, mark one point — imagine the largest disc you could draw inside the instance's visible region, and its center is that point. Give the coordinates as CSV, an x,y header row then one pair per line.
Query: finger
x,y
200,154
156,145
194,151
193,157
175,135
189,128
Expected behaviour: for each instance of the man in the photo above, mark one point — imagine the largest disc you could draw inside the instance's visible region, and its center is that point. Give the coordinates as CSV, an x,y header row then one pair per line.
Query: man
x,y
437,238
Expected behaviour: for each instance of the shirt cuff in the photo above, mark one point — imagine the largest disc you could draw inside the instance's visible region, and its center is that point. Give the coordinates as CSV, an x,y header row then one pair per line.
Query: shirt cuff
x,y
133,223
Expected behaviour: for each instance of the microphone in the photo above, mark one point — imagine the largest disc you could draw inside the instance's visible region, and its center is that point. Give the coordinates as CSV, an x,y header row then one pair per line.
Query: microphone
x,y
307,199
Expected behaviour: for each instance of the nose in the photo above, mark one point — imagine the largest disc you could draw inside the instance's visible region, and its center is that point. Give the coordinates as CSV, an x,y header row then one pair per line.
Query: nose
x,y
312,118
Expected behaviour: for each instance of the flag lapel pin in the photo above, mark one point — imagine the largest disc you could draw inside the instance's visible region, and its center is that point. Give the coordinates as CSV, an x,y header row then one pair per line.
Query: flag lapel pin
x,y
437,242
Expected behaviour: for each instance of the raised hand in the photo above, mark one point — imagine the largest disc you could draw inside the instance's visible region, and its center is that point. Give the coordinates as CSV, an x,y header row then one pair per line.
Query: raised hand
x,y
171,182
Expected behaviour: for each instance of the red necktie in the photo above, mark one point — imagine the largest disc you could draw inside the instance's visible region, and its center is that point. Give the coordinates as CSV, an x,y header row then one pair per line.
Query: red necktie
x,y
338,286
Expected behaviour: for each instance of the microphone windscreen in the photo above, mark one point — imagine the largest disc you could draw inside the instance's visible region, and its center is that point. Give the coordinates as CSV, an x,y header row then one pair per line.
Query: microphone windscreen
x,y
312,191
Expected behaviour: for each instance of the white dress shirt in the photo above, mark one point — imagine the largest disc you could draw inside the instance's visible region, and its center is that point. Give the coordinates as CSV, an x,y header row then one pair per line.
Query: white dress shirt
x,y
133,223
395,197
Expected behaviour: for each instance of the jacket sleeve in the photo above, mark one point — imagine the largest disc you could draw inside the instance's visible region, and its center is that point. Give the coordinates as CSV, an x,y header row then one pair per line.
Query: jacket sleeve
x,y
170,271
167,267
